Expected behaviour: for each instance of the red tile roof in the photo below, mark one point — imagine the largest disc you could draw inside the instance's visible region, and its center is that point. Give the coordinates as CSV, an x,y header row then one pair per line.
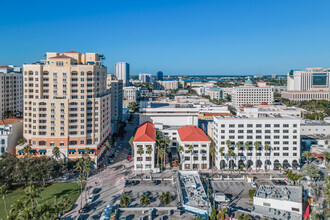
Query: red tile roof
x,y
8,121
61,57
261,81
192,133
72,51
145,133
6,67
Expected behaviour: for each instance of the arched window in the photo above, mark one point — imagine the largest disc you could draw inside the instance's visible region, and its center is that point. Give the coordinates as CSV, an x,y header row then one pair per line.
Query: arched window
x,y
42,143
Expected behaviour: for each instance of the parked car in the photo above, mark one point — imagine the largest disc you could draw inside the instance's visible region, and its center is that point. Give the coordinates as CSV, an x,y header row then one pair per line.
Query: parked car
x,y
254,185
64,178
123,217
85,209
95,190
91,198
155,170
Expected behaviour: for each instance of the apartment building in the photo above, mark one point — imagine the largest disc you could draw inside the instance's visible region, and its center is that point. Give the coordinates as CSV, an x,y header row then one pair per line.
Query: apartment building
x,y
166,85
122,72
198,158
250,94
11,91
116,89
280,133
144,147
11,130
130,94
145,77
67,105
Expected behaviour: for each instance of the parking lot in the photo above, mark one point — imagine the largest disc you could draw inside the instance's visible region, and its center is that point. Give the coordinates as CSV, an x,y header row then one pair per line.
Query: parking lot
x,y
137,188
237,191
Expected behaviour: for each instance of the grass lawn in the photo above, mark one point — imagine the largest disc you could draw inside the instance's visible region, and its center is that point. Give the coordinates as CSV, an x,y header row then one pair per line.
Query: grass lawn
x,y
47,194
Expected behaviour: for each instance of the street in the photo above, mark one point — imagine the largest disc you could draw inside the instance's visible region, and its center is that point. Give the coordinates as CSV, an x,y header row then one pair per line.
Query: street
x,y
110,180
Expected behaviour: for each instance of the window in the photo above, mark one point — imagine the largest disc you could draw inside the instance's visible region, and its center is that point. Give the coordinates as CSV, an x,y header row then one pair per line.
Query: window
x,y
266,204
286,154
286,125
59,63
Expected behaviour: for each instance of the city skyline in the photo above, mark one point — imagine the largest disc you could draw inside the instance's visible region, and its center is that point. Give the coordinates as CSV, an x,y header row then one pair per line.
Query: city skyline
x,y
225,38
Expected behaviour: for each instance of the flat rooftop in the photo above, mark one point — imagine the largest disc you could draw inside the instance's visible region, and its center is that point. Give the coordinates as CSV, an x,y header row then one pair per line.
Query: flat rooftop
x,y
315,123
288,193
260,117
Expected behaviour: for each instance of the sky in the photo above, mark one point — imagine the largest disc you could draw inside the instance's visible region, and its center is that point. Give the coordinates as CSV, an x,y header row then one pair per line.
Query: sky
x,y
178,37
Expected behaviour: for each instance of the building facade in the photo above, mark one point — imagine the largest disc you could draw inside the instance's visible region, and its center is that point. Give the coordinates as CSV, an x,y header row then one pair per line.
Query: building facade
x,y
67,105
122,72
144,147
280,133
116,90
252,95
11,130
198,158
11,92
145,77
214,93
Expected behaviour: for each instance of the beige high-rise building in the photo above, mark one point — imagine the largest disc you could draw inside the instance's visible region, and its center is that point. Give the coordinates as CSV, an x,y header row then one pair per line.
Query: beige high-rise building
x,y
67,105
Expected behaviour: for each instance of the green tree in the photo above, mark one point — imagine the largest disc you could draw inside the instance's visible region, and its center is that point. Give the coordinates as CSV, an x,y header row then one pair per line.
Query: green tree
x,y
3,192
56,152
125,201
181,149
145,199
81,180
238,145
212,153
221,150
64,204
267,148
166,143
26,150
131,144
165,198
230,155
257,147
161,155
294,176
223,214
15,208
311,170
228,143
326,156
307,155
32,194
251,193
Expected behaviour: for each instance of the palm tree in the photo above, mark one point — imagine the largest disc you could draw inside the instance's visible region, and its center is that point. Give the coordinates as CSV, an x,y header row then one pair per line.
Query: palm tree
x,y
16,208
191,150
26,150
131,144
311,170
267,148
31,194
238,145
161,155
26,213
221,150
181,149
231,154
55,152
63,203
257,147
80,165
166,143
307,155
326,157
159,142
212,152
81,180
125,200
140,151
86,151
149,151
165,198
145,199
247,147
223,214
3,192
228,143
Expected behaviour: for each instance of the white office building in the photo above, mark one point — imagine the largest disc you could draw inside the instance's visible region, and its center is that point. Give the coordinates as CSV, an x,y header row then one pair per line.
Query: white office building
x,y
11,130
250,94
122,72
280,133
144,147
11,92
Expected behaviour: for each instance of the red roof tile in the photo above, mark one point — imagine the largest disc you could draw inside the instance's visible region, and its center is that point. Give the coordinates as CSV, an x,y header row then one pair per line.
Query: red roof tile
x,y
61,57
145,133
72,51
8,121
6,67
261,81
192,133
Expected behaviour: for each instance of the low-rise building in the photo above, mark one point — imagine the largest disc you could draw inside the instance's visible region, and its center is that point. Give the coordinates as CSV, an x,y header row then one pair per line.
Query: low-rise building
x,y
314,127
198,157
11,130
144,147
214,93
130,94
278,202
313,94
166,85
266,109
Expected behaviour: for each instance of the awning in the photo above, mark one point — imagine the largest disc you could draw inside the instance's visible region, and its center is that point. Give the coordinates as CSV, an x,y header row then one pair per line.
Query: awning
x,y
72,150
42,151
33,151
81,150
20,151
91,150
317,155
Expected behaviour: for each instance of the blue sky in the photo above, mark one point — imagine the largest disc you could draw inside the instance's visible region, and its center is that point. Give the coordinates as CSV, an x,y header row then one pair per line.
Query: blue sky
x,y
175,36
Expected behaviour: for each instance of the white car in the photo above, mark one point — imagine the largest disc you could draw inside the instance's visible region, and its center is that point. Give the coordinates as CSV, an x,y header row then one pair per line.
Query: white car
x,y
254,185
90,198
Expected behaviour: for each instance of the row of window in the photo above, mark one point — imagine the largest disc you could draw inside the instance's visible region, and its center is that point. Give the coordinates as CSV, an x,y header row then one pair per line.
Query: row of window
x,y
256,125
